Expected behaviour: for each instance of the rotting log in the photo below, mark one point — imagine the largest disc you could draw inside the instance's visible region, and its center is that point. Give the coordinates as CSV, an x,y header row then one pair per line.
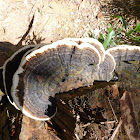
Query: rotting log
x,y
81,114
128,116
81,110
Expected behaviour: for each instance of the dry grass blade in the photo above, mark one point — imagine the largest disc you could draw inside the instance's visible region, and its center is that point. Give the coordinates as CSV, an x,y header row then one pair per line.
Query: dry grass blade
x,y
116,130
112,110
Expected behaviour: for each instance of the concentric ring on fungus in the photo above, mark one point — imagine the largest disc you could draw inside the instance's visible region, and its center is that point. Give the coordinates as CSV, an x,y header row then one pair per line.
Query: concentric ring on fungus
x,y
10,67
125,53
91,41
43,71
58,67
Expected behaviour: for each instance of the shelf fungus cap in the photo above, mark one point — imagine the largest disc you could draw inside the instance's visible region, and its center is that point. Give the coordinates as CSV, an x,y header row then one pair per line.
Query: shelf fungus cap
x,y
59,67
94,42
107,67
10,67
125,53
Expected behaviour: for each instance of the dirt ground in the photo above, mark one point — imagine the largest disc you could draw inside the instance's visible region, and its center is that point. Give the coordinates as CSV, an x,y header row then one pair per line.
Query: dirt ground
x,y
24,22
53,19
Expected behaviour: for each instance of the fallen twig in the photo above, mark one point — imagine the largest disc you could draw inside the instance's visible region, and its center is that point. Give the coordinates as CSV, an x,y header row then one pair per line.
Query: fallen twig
x,y
116,130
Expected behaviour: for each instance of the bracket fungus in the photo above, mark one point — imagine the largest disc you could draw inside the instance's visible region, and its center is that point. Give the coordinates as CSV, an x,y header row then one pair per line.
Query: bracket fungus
x,y
125,53
9,68
107,63
127,60
34,75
